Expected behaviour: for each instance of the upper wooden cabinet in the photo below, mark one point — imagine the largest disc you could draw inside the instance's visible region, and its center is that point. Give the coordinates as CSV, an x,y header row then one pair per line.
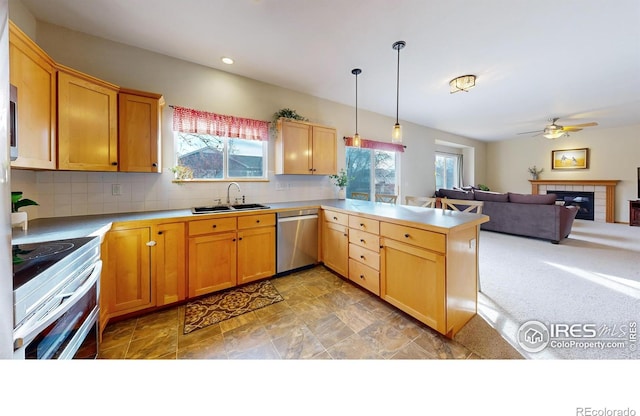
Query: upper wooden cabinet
x,y
305,149
87,122
139,115
34,75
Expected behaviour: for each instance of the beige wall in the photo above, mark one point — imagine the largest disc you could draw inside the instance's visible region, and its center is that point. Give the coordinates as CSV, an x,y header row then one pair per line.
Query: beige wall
x,y
195,86
614,154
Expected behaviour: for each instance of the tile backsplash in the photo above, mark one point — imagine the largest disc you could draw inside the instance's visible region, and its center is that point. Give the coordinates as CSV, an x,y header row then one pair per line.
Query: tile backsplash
x,y
66,193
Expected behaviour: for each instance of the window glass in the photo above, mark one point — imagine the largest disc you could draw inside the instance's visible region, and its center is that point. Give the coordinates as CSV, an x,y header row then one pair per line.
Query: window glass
x,y
212,157
371,171
446,171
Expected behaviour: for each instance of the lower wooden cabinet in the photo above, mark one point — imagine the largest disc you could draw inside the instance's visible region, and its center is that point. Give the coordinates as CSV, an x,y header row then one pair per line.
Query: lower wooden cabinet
x,y
335,242
256,247
212,263
169,262
126,275
413,280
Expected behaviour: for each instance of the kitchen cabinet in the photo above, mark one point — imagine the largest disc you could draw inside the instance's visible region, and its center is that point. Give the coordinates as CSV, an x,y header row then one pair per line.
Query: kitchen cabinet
x,y
364,253
34,74
335,241
256,247
169,262
305,149
429,275
139,115
126,275
87,122
212,255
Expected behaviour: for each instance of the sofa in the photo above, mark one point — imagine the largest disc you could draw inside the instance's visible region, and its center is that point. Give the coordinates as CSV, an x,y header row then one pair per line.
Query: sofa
x,y
536,216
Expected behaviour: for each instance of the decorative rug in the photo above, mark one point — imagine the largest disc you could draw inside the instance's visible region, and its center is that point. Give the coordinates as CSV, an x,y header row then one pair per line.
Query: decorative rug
x,y
228,304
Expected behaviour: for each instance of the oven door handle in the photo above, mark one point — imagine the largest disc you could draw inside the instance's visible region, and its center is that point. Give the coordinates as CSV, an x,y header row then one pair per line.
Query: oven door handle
x,y
32,328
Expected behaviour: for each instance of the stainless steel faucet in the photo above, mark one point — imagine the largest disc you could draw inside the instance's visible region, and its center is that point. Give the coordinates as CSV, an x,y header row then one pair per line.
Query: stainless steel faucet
x,y
229,188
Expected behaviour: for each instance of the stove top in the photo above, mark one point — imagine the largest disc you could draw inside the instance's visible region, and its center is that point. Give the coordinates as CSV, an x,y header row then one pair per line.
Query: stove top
x,y
31,260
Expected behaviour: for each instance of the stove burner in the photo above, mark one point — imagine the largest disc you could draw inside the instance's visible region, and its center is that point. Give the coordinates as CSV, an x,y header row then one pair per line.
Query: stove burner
x,y
43,250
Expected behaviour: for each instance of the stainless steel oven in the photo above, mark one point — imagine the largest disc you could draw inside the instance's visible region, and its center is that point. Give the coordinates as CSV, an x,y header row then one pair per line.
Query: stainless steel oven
x,y
56,292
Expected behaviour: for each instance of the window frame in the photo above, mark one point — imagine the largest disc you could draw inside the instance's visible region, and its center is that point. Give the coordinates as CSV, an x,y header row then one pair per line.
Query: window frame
x,y
372,169
456,158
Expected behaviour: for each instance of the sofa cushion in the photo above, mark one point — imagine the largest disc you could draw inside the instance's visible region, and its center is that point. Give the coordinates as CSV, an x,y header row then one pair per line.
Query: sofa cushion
x,y
490,196
546,199
453,194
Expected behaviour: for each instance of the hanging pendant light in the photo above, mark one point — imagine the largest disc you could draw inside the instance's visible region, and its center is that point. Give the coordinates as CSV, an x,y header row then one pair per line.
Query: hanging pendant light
x,y
356,137
396,135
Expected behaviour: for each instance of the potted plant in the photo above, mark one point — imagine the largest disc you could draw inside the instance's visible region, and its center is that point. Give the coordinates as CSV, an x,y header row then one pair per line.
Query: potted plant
x,y
19,217
534,171
340,180
285,113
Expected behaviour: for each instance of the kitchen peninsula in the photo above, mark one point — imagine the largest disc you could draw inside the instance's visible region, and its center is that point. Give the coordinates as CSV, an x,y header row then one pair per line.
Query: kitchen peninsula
x,y
423,261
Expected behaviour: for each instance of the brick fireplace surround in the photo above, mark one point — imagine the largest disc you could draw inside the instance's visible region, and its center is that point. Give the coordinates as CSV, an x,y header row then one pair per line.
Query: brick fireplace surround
x,y
604,193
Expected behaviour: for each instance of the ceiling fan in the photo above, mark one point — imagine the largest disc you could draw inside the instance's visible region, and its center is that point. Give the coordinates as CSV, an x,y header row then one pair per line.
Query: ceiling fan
x,y
554,131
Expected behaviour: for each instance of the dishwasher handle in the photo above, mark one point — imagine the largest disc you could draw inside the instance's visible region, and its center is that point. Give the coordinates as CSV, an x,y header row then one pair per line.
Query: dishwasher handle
x,y
298,218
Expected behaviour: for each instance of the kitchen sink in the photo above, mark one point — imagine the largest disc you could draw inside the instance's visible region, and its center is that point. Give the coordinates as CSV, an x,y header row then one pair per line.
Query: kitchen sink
x,y
227,208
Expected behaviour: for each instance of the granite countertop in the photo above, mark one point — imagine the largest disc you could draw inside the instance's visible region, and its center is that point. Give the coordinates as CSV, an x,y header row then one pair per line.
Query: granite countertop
x,y
60,228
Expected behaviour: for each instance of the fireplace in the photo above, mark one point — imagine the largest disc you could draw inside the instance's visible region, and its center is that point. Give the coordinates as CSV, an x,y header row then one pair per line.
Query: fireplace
x,y
583,200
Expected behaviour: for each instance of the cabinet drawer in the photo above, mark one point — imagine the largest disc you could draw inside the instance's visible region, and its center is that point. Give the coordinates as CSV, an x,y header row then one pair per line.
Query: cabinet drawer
x,y
362,255
365,276
417,237
364,224
212,226
363,239
336,217
260,220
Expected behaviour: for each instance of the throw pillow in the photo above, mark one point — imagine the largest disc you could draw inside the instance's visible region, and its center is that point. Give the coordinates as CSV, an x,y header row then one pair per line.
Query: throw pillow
x,y
546,199
490,196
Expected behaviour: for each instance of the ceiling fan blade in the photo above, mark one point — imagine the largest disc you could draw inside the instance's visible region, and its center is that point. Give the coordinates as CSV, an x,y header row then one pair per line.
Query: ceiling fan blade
x,y
582,125
571,128
529,132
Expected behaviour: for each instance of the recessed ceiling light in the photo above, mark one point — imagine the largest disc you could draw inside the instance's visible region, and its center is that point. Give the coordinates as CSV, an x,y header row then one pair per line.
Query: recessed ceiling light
x,y
227,60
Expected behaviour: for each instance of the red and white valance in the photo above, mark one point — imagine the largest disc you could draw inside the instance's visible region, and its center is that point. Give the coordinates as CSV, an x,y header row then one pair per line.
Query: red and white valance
x,y
187,120
372,144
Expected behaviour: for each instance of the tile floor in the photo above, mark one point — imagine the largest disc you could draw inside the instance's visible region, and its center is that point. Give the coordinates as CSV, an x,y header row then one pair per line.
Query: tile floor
x,y
322,317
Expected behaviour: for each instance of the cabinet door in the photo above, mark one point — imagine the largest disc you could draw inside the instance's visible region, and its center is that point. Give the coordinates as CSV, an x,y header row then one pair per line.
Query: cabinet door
x,y
34,75
324,152
139,132
256,254
413,280
212,263
296,143
87,124
169,257
127,274
335,248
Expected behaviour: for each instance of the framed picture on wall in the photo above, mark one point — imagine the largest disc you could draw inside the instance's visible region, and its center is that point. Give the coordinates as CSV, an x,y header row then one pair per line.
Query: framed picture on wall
x,y
570,159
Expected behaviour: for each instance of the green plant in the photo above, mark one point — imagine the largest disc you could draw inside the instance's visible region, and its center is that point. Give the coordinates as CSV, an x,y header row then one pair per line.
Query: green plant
x,y
17,202
341,179
182,172
534,171
287,113
483,187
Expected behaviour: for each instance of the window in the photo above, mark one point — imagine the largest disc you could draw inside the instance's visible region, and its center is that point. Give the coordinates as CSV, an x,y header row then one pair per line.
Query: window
x,y
211,146
448,168
214,157
372,171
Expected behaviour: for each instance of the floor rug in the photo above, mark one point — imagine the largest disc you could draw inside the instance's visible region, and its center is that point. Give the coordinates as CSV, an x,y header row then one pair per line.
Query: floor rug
x,y
228,304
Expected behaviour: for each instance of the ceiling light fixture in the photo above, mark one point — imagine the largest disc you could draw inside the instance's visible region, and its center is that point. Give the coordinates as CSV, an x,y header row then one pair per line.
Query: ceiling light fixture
x,y
356,137
226,60
463,83
554,134
396,135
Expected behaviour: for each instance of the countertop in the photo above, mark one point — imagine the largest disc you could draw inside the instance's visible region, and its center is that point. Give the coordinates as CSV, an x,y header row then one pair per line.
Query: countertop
x,y
60,228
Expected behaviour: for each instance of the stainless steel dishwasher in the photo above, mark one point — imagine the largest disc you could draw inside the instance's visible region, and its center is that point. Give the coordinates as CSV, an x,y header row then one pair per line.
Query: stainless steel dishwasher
x,y
297,239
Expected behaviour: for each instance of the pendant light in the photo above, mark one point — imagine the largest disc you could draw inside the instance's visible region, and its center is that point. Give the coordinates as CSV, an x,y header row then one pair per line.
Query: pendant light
x,y
356,137
396,135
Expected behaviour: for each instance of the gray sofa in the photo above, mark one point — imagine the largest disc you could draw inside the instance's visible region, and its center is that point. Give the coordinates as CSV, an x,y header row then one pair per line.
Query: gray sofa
x,y
535,216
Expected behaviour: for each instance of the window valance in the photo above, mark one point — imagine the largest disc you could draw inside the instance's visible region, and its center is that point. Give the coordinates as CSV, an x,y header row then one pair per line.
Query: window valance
x,y
372,144
187,120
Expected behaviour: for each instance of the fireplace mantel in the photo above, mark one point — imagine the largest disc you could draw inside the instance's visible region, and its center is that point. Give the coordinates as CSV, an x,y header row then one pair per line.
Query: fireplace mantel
x,y
609,185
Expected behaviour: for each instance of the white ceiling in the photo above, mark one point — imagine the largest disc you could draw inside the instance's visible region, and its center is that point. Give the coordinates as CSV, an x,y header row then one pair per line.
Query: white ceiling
x,y
578,60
